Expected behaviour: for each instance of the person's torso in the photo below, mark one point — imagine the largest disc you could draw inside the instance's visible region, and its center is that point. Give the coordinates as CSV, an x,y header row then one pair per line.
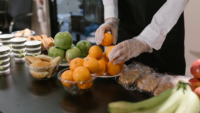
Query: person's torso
x,y
134,16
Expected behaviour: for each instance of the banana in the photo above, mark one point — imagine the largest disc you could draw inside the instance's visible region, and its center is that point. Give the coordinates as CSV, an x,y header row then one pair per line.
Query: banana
x,y
171,104
127,107
190,102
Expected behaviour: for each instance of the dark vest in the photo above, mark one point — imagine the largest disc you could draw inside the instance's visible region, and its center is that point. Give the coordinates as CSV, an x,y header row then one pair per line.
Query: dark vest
x,y
134,16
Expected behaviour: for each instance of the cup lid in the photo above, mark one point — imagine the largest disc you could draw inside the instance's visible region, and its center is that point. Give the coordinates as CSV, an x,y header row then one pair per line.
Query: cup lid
x,y
4,48
18,39
32,43
5,36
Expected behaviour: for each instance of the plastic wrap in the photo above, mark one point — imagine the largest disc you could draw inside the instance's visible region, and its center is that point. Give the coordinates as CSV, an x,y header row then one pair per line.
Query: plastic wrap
x,y
169,81
143,78
134,71
163,85
149,82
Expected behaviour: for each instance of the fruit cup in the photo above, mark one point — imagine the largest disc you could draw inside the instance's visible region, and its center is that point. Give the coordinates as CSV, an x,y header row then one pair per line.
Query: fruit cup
x,y
76,88
42,73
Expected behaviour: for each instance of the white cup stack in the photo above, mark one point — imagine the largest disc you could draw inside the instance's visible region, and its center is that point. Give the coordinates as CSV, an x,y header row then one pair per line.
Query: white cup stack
x,y
19,48
33,48
5,40
4,60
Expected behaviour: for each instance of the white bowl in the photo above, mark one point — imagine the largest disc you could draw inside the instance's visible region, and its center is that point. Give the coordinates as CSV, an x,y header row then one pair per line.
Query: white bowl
x,y
33,54
6,36
4,68
4,62
18,40
4,49
33,43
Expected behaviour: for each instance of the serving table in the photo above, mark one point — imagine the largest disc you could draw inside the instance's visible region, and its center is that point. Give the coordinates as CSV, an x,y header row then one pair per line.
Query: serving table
x,y
21,93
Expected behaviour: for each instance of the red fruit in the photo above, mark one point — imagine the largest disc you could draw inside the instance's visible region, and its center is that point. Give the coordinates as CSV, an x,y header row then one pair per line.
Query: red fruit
x,y
194,83
197,91
195,69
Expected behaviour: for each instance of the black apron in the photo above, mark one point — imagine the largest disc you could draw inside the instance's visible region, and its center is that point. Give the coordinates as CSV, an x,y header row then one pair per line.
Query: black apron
x,y
134,16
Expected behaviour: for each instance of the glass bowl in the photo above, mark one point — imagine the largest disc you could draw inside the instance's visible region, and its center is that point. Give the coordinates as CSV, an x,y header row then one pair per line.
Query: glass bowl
x,y
75,87
42,73
32,33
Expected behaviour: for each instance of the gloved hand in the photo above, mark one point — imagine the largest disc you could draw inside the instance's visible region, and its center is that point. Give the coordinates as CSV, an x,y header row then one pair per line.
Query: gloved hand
x,y
128,49
111,24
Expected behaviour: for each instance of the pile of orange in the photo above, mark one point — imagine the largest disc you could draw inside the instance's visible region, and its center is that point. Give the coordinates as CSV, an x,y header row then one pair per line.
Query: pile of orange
x,y
96,62
104,65
77,74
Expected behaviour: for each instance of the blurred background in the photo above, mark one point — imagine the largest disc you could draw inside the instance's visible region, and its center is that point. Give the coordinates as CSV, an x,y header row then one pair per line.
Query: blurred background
x,y
81,18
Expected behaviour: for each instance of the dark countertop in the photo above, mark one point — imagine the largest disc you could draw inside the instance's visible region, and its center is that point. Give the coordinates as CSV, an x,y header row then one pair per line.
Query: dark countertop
x,y
21,93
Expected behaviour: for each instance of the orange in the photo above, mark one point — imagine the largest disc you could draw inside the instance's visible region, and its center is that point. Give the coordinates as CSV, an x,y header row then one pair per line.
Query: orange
x,y
81,74
121,65
104,55
102,67
108,50
104,59
107,40
67,76
91,64
96,52
75,63
112,69
86,85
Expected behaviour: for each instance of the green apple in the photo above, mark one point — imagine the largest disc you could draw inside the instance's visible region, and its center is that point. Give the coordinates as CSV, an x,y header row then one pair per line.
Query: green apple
x,y
72,53
63,40
84,46
72,46
55,51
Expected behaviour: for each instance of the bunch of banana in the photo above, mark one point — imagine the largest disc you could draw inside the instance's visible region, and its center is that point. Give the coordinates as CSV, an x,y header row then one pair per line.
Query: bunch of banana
x,y
180,99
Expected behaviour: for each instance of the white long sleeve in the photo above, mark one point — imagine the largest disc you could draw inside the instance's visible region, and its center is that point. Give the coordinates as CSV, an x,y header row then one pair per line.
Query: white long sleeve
x,y
163,21
110,8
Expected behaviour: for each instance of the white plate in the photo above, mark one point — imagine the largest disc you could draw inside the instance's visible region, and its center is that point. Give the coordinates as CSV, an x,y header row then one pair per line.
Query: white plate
x,y
33,54
5,72
19,45
6,36
4,48
32,43
0,32
33,49
18,39
106,75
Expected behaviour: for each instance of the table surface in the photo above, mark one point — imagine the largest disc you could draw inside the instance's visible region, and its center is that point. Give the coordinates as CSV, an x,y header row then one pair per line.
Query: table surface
x,y
21,93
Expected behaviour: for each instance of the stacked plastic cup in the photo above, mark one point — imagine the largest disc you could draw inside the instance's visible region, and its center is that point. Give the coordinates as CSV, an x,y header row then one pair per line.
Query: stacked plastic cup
x,y
4,60
33,48
19,48
5,40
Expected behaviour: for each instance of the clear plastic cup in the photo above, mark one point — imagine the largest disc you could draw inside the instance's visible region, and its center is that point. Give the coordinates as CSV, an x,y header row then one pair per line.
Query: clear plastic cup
x,y
73,87
39,72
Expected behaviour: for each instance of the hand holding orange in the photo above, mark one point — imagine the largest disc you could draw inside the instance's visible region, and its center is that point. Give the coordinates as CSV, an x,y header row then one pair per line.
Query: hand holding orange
x,y
107,40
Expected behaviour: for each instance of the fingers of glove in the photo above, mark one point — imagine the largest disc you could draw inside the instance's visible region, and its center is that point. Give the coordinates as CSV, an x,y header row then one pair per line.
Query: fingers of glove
x,y
115,52
122,58
115,55
99,35
117,61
